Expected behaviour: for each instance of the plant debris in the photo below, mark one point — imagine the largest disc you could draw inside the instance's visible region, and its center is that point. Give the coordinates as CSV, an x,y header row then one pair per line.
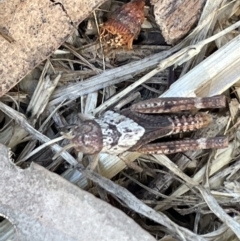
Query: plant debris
x,y
103,68
124,25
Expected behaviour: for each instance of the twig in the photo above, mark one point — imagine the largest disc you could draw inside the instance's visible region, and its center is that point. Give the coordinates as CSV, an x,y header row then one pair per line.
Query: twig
x,y
212,203
109,77
139,207
20,119
39,149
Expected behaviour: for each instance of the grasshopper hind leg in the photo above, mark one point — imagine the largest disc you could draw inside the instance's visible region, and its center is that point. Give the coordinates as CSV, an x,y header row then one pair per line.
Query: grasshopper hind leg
x,y
171,147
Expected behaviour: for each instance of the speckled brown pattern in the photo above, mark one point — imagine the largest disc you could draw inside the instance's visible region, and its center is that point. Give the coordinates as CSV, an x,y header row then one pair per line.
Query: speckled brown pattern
x,y
38,27
184,145
124,25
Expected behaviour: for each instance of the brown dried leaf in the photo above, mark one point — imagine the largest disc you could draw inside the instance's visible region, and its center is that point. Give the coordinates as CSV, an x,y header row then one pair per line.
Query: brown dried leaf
x,y
38,27
124,24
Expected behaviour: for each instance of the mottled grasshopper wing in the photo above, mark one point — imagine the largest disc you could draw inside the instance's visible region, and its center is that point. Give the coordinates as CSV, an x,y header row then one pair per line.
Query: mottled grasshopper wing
x,y
157,126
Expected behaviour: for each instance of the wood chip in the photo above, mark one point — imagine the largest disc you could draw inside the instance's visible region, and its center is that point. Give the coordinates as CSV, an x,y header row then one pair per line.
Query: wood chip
x,y
176,18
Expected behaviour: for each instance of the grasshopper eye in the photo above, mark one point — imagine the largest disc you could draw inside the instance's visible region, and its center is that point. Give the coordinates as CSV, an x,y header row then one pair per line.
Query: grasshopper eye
x,y
84,129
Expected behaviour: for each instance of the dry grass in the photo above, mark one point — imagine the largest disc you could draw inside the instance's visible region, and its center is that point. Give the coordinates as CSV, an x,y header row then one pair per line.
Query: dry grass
x,y
197,191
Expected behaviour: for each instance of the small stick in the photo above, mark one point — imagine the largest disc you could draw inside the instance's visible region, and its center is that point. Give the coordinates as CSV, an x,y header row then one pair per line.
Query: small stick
x,y
40,148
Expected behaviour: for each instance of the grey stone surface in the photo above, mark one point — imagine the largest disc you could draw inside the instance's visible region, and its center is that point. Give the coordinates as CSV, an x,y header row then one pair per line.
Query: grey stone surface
x,y
43,206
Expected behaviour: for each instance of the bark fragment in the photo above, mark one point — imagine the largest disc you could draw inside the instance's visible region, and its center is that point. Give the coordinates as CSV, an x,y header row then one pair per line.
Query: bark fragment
x,y
176,17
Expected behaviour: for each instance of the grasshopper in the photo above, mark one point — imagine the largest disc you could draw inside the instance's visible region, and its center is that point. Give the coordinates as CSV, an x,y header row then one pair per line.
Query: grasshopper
x,y
135,128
